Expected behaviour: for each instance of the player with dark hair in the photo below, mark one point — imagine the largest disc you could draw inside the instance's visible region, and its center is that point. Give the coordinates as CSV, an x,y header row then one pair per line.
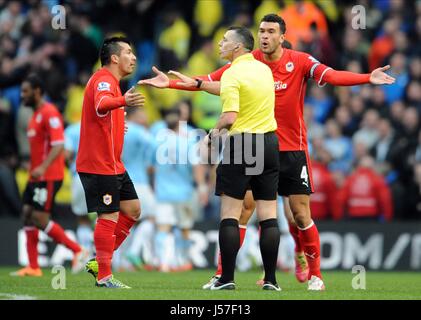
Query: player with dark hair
x,y
46,141
291,70
108,188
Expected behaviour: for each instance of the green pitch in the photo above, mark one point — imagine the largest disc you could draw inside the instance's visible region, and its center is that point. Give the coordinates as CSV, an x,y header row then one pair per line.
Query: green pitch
x,y
187,285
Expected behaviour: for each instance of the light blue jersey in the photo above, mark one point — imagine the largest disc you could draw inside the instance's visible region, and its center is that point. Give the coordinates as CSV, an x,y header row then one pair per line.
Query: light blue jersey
x,y
175,157
161,125
138,152
71,143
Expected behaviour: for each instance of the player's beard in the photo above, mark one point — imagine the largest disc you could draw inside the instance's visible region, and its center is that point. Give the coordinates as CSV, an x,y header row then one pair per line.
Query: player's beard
x,y
30,103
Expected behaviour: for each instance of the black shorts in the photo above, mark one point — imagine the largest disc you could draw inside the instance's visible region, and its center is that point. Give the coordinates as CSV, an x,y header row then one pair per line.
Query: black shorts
x,y
103,193
254,165
295,173
40,195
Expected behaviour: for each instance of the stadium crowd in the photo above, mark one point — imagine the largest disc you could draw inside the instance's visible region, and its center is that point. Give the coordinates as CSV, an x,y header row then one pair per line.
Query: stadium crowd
x,y
365,141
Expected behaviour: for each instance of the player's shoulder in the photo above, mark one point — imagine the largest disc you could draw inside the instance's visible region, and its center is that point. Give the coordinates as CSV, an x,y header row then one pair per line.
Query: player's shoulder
x,y
302,56
50,108
103,80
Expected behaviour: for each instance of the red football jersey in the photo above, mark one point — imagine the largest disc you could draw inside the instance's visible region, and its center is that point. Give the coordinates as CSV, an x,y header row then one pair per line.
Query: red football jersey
x,y
101,135
290,74
45,130
366,194
324,202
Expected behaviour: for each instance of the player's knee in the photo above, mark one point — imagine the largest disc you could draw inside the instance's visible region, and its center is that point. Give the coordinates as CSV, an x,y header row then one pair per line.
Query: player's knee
x,y
301,214
245,215
135,214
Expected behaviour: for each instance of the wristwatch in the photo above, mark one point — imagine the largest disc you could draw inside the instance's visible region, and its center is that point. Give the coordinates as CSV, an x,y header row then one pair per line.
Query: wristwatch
x,y
199,83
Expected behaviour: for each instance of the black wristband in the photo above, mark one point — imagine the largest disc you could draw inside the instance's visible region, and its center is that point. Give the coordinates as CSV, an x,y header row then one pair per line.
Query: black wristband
x,y
199,83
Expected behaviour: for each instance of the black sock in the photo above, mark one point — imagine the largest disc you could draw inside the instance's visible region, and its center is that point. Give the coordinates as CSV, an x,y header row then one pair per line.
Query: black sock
x,y
269,244
229,244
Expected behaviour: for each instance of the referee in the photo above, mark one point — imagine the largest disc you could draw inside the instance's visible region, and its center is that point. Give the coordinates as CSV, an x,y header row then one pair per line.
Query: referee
x,y
248,101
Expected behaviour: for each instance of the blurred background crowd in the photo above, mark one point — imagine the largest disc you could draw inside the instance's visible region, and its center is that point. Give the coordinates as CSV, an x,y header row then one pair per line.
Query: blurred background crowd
x,y
364,140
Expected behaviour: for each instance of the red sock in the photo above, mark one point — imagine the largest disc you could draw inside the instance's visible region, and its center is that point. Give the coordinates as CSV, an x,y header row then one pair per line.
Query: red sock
x,y
56,232
293,229
122,229
104,240
243,230
311,244
32,246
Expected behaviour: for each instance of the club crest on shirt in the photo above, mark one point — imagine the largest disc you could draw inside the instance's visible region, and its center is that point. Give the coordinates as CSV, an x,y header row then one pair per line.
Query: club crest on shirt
x,y
104,86
54,122
107,199
289,66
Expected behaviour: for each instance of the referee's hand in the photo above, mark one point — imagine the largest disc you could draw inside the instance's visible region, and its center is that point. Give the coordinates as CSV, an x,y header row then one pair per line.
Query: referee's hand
x,y
160,81
186,81
134,99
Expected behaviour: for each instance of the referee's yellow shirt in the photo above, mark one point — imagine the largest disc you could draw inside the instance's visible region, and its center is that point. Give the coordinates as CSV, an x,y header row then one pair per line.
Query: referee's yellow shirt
x,y
247,87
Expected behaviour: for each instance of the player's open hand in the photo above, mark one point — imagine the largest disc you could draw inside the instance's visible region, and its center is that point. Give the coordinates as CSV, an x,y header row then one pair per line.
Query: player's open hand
x,y
379,76
134,99
38,172
161,80
185,80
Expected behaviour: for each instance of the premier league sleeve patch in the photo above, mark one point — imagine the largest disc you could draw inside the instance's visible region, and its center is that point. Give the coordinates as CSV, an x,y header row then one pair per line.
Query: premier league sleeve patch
x,y
54,122
104,86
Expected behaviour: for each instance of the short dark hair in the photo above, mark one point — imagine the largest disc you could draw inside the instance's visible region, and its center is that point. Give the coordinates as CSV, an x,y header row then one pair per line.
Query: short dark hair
x,y
244,36
277,19
36,82
110,47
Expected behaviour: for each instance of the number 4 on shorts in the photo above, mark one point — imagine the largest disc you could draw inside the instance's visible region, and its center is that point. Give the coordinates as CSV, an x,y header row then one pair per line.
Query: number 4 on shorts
x,y
304,175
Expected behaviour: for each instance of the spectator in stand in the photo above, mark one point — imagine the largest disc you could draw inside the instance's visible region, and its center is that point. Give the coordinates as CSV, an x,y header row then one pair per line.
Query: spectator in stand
x,y
320,101
378,101
415,68
399,71
354,49
407,144
413,94
299,16
384,150
413,196
323,201
344,119
383,45
339,146
368,134
365,194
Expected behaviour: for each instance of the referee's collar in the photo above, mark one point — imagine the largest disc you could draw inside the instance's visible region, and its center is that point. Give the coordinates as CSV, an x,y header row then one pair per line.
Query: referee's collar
x,y
244,57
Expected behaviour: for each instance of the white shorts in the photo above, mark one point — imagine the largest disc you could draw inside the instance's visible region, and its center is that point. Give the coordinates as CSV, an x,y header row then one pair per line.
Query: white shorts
x,y
78,197
182,215
147,200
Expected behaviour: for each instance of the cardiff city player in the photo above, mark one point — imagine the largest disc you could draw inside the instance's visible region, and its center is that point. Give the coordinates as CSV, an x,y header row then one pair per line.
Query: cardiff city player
x,y
108,188
46,140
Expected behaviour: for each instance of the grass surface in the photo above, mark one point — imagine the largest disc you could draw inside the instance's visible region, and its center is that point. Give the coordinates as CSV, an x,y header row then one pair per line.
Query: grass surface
x,y
187,286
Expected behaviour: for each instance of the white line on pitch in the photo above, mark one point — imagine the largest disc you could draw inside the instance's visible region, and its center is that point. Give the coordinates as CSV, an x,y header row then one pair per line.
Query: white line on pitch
x,y
10,296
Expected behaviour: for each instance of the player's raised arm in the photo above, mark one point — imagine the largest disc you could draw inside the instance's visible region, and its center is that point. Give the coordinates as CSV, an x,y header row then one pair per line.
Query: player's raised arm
x,y
346,78
324,74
